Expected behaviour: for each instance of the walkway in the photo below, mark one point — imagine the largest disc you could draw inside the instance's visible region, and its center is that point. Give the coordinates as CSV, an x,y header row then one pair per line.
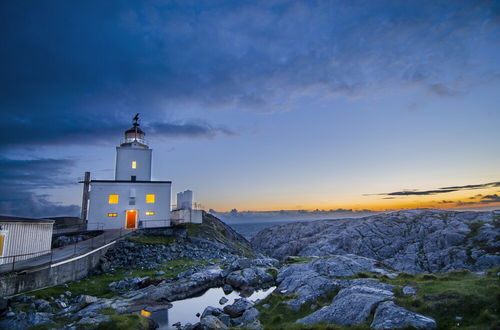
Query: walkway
x,y
65,253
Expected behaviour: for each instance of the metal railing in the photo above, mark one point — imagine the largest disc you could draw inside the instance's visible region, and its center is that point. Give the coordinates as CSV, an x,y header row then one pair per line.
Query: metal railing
x,y
131,140
46,258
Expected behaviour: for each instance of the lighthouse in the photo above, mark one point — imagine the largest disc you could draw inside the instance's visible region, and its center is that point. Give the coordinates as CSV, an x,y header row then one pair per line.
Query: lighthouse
x,y
132,200
133,156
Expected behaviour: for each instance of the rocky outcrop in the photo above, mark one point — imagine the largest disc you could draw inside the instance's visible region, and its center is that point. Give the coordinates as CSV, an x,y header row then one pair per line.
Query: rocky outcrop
x,y
390,316
412,241
310,280
350,306
210,240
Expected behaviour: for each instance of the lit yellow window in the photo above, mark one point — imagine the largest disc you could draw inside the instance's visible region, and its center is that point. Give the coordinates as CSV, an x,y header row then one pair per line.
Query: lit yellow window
x,y
134,164
112,214
2,239
150,198
113,199
150,213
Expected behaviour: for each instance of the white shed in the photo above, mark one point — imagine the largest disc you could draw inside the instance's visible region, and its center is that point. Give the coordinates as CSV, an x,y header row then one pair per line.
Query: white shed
x,y
24,238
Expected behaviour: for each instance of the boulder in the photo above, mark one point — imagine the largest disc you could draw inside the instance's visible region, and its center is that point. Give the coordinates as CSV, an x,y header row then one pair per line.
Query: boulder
x,y
223,300
209,310
390,316
351,306
248,316
211,322
409,290
239,306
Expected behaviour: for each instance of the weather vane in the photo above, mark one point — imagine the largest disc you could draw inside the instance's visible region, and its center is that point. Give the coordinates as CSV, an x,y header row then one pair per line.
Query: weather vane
x,y
136,119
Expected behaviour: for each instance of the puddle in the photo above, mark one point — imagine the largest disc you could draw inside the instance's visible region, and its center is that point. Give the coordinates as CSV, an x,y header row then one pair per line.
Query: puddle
x,y
185,310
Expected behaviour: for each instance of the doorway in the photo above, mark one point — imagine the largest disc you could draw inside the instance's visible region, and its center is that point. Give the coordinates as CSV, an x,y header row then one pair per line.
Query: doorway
x,y
131,219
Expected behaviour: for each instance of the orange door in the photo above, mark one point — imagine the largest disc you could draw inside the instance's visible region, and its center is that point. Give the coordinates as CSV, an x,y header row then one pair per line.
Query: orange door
x,y
131,219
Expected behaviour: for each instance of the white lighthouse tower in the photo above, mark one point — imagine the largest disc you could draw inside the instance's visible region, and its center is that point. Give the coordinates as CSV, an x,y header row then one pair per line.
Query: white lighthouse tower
x,y
133,156
132,200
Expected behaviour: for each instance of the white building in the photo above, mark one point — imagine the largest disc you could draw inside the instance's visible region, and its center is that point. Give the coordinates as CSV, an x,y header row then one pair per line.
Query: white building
x,y
132,200
24,238
184,213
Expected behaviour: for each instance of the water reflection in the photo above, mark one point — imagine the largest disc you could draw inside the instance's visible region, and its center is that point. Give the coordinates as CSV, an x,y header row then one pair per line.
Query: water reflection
x,y
184,311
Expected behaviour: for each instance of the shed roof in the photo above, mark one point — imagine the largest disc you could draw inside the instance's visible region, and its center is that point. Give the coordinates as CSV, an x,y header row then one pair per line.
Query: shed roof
x,y
8,218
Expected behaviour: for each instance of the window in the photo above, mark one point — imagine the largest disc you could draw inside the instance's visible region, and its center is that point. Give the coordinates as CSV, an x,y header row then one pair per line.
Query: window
x,y
134,164
150,213
112,214
150,198
131,201
113,199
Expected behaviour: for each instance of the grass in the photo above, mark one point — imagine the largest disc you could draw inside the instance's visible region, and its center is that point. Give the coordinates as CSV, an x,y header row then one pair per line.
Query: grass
x,y
153,239
476,299
125,322
295,260
98,285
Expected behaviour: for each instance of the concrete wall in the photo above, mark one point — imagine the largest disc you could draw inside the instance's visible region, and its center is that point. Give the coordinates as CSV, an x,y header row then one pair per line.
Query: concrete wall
x,y
11,284
126,155
99,207
24,238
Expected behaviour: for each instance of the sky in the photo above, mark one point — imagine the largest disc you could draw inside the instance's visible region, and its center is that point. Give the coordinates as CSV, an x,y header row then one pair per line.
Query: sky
x,y
254,105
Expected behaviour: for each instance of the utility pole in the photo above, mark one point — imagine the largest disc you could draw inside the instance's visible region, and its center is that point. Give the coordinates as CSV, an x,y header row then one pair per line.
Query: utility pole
x,y
85,198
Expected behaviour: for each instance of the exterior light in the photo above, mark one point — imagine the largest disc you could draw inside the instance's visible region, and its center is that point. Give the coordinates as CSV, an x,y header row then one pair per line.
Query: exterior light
x,y
150,213
134,164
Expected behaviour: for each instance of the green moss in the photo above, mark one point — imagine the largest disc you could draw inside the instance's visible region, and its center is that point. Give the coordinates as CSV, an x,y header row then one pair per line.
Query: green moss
x,y
108,311
153,239
98,285
296,259
59,323
273,272
124,322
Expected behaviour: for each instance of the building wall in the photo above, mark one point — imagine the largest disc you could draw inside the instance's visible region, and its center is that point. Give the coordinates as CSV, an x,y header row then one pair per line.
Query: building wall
x,y
185,200
125,156
25,238
99,207
52,275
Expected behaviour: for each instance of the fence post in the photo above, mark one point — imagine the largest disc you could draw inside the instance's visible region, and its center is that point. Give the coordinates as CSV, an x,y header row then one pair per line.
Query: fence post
x,y
74,252
13,262
51,256
92,243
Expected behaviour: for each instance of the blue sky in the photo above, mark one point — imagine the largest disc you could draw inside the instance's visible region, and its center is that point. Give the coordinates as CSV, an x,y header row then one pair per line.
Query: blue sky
x,y
253,105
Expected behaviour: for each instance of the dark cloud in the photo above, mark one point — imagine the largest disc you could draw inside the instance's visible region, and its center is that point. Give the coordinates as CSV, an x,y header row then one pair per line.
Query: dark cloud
x,y
443,190
443,90
22,180
78,70
74,130
446,202
490,199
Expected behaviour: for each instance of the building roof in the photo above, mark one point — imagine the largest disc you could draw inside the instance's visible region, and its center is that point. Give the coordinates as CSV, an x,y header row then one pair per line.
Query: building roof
x,y
127,181
8,218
